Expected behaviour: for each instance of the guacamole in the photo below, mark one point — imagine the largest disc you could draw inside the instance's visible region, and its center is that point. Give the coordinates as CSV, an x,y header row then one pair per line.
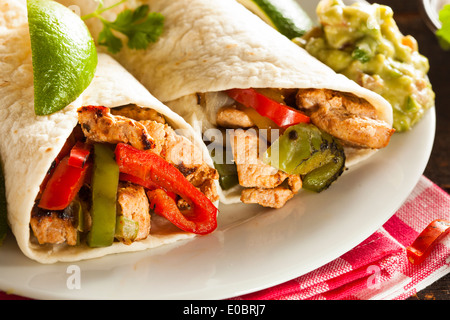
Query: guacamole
x,y
364,43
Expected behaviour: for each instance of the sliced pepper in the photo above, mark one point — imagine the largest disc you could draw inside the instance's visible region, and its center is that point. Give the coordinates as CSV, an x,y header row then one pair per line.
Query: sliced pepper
x,y
189,220
305,150
321,178
49,174
79,154
279,113
126,229
63,186
420,249
301,149
228,176
144,183
75,210
201,218
105,181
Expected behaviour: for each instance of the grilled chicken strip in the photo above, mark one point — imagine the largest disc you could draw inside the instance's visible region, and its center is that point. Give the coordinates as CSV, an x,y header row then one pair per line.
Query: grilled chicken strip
x,y
133,112
252,172
351,119
99,125
133,204
275,197
263,182
53,227
230,117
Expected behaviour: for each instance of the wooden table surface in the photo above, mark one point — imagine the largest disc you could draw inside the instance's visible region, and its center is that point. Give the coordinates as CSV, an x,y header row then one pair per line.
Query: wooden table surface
x,y
409,17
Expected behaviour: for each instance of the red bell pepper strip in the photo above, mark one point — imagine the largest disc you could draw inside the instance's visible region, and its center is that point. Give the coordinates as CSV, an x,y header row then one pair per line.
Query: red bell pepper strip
x,y
79,154
165,206
49,174
201,218
63,185
420,249
282,115
148,184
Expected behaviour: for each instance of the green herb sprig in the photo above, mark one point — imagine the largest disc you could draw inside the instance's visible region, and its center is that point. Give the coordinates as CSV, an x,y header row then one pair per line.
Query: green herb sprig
x,y
140,26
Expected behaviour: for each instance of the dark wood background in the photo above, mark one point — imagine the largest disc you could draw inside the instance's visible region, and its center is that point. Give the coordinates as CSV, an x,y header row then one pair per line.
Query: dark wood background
x,y
410,19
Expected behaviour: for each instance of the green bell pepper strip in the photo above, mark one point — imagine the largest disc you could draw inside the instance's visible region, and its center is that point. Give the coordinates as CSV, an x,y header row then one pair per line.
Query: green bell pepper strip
x,y
105,181
321,178
126,229
305,150
78,213
228,176
228,182
300,149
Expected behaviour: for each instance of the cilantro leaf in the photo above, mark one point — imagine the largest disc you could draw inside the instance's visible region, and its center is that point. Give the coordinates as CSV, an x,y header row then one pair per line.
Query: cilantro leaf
x,y
108,39
443,33
140,26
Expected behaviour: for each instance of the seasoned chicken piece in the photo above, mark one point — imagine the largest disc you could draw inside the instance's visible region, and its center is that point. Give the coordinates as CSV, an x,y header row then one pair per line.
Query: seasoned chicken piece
x,y
53,227
99,125
133,204
134,112
252,172
295,183
271,198
207,186
158,132
263,183
275,197
351,119
230,117
200,174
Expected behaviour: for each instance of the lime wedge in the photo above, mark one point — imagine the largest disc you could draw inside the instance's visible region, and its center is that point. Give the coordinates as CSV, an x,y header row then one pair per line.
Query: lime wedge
x,y
286,16
63,53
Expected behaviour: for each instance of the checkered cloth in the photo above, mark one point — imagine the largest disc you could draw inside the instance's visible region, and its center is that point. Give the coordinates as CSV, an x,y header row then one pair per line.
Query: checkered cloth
x,y
378,268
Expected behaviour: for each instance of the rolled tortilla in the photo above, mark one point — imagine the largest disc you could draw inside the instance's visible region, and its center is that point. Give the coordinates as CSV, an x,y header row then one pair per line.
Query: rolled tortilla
x,y
216,45
30,143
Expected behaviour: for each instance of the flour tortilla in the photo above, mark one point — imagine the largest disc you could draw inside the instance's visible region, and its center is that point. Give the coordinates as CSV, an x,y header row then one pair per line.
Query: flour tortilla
x,y
30,143
215,45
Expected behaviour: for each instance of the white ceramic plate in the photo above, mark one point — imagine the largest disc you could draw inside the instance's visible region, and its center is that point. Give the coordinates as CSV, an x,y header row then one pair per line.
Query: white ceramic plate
x,y
252,249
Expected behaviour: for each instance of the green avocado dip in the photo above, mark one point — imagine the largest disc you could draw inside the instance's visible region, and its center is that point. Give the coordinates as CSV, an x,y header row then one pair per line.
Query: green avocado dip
x,y
364,43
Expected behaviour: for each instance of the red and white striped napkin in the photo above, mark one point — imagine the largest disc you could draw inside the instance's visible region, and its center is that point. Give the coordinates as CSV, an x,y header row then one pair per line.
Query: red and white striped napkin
x,y
379,268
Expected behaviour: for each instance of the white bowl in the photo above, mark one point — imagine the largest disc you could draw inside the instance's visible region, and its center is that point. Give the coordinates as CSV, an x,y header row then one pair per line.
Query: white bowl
x,y
430,9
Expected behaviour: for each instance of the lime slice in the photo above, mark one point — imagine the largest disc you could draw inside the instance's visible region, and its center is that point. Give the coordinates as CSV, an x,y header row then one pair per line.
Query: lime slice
x,y
63,53
286,16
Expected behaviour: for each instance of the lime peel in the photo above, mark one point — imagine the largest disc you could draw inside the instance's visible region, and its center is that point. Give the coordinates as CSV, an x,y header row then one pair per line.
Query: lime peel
x,y
286,16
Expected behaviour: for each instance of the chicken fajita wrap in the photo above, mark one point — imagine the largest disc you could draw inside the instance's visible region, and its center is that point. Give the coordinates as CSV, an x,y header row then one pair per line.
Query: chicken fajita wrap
x,y
115,171
275,119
